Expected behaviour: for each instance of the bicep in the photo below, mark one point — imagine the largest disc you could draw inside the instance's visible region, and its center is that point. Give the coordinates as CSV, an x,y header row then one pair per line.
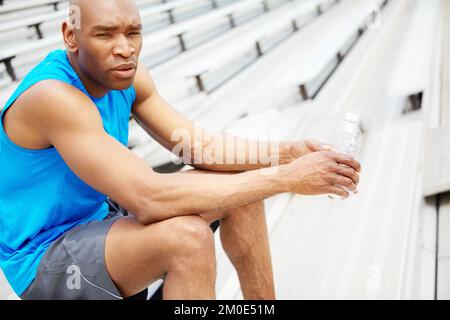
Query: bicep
x,y
74,127
103,163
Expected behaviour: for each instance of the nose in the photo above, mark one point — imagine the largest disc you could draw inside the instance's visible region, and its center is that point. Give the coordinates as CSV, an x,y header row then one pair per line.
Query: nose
x,y
123,48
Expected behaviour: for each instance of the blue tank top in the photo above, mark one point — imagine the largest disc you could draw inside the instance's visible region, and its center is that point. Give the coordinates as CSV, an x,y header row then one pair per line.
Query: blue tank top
x,y
40,197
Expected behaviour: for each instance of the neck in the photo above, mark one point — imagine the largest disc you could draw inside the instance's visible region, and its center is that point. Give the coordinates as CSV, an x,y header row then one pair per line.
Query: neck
x,y
92,88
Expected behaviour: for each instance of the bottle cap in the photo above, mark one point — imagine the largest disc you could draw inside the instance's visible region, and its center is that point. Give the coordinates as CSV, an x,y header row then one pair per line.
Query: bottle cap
x,y
352,117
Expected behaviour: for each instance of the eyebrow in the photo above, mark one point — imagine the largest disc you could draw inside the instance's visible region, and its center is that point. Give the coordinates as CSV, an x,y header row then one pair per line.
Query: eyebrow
x,y
115,28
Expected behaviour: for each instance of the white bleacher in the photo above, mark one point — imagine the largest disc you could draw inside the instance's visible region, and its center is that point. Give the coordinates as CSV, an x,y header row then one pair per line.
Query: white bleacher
x,y
185,35
32,21
26,5
309,76
198,26
251,42
386,242
317,232
443,259
178,68
424,271
317,280
437,174
21,57
353,249
55,41
267,90
353,88
150,11
445,64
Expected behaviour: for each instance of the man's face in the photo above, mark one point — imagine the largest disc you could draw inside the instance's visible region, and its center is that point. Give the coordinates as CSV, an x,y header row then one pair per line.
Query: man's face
x,y
109,42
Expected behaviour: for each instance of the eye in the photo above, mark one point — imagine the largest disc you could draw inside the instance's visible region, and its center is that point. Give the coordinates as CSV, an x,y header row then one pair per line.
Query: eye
x,y
135,33
103,35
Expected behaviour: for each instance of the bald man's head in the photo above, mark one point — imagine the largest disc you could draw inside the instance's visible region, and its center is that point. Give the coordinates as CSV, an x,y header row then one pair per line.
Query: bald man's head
x,y
101,6
103,40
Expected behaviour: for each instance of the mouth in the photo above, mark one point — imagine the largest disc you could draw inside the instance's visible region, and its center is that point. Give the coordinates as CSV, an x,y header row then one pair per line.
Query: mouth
x,y
125,71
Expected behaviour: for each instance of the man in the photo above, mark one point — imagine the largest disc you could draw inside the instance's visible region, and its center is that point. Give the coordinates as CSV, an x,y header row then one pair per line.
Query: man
x,y
63,151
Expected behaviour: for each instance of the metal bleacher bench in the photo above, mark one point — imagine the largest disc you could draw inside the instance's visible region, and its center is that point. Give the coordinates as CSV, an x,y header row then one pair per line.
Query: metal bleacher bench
x,y
36,21
329,54
7,55
24,5
253,39
33,21
437,176
180,29
358,248
336,246
167,8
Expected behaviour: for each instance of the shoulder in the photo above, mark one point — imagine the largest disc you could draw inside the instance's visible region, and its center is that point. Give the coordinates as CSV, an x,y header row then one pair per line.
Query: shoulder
x,y
48,94
48,105
53,102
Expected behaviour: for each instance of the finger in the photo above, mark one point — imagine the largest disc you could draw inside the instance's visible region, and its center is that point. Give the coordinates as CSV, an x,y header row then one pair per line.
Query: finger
x,y
346,182
338,191
347,160
313,145
349,173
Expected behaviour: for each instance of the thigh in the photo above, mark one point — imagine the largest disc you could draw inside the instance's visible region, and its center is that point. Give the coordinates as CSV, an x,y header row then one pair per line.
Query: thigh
x,y
137,255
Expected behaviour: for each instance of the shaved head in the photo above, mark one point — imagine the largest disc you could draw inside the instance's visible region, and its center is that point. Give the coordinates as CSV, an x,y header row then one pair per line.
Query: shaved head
x,y
101,37
87,11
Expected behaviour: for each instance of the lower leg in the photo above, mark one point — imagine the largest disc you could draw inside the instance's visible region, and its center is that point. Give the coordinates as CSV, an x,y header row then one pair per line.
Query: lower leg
x,y
193,277
245,239
185,285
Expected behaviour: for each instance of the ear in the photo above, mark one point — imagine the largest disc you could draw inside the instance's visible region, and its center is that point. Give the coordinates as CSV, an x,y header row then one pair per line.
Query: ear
x,y
68,33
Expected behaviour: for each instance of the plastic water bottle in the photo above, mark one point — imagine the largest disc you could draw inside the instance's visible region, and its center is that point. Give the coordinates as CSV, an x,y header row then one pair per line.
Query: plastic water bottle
x,y
347,138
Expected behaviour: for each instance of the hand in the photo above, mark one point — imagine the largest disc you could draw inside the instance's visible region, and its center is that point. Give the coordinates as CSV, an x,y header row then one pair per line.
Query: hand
x,y
322,172
303,147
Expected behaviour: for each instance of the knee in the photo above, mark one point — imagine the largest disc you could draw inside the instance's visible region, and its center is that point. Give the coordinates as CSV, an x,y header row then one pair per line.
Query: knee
x,y
191,236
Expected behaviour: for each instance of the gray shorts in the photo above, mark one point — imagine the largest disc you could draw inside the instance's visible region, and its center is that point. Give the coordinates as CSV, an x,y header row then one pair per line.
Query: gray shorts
x,y
73,268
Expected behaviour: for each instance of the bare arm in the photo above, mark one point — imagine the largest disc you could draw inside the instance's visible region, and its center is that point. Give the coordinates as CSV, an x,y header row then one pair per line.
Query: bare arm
x,y
198,147
72,124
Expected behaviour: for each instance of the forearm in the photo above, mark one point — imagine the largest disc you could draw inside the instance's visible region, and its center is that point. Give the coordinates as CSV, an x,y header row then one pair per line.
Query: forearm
x,y
178,194
225,152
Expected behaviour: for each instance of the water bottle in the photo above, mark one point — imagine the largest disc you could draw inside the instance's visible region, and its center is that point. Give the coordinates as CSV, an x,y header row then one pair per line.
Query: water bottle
x,y
348,138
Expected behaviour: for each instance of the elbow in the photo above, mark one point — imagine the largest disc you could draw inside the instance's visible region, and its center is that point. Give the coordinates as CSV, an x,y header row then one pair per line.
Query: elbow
x,y
142,203
143,220
148,212
152,203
